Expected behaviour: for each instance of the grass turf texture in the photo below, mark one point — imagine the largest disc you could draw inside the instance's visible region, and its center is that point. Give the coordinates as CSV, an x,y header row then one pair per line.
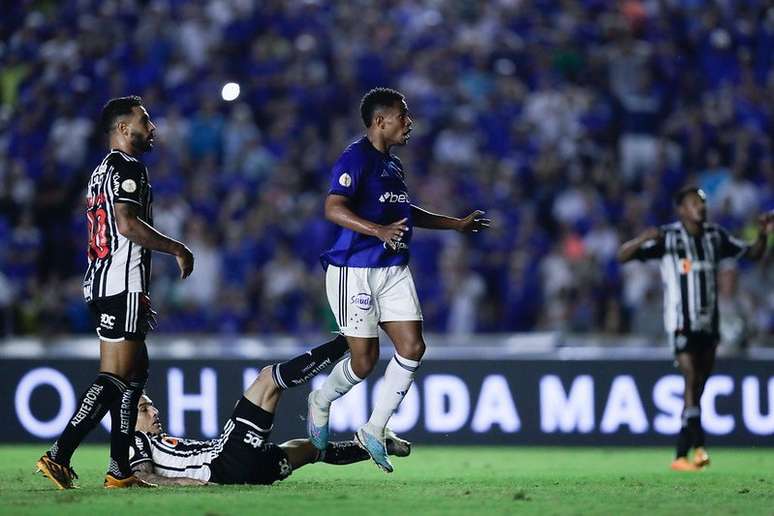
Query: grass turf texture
x,y
434,480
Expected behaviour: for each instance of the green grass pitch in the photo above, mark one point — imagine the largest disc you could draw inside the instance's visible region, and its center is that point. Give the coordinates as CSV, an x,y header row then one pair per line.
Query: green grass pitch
x,y
433,480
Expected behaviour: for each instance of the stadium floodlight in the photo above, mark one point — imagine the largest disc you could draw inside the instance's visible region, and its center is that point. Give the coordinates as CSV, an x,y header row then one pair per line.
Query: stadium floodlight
x,y
230,91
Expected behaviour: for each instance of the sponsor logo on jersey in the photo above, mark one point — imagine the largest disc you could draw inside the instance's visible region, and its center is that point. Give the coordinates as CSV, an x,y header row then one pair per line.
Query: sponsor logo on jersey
x,y
114,179
394,198
687,265
362,301
107,321
345,180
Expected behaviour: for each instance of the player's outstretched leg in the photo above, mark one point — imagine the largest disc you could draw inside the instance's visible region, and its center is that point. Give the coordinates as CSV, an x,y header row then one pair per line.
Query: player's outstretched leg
x,y
301,452
294,372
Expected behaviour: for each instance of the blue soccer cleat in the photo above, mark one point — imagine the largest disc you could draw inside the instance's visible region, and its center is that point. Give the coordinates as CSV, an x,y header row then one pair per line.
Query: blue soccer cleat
x,y
374,444
317,422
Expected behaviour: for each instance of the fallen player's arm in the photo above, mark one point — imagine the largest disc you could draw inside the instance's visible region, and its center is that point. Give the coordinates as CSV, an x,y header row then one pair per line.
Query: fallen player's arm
x,y
337,210
470,224
144,471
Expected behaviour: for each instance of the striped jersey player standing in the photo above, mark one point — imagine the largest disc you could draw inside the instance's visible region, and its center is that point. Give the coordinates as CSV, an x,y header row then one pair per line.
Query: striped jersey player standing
x,y
121,238
690,251
367,279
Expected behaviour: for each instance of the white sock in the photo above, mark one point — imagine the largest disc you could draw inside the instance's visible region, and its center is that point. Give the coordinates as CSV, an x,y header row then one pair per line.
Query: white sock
x,y
339,382
397,379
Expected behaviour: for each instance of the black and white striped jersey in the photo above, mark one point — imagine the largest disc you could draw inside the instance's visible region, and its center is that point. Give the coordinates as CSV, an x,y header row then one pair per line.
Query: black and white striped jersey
x,y
689,272
116,264
174,457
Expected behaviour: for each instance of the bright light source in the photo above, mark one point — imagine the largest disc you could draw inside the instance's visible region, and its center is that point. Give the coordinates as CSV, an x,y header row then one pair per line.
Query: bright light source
x,y
230,91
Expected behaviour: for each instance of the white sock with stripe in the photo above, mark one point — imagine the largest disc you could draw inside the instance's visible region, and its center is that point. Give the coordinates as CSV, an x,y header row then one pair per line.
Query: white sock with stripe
x,y
397,380
339,382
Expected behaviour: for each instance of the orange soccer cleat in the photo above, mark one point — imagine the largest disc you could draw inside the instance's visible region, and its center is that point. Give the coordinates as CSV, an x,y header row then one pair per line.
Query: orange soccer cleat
x,y
701,458
62,476
683,464
112,482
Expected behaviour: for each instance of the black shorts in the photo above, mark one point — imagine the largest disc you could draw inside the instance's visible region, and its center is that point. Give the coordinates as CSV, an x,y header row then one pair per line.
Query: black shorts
x,y
123,316
245,457
693,342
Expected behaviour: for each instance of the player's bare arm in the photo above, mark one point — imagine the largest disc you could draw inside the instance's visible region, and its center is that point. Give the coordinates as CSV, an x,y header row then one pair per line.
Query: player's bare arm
x,y
627,251
473,223
144,471
765,227
144,235
337,210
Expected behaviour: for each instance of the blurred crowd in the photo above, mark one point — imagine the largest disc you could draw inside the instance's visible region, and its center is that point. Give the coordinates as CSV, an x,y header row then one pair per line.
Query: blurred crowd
x,y
571,122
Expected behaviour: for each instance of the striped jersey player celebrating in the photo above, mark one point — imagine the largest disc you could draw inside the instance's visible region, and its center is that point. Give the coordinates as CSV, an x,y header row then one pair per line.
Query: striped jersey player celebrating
x,y
121,238
690,250
243,454
367,279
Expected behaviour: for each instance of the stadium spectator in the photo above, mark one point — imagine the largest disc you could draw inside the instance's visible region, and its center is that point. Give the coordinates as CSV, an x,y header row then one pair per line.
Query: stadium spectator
x,y
573,118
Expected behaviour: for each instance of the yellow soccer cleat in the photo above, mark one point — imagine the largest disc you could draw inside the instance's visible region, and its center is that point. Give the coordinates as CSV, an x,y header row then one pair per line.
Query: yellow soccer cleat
x,y
683,464
701,458
112,482
62,476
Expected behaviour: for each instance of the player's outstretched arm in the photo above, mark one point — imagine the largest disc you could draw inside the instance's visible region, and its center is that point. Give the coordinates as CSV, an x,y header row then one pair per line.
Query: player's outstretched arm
x,y
473,223
144,235
337,210
144,471
765,228
629,249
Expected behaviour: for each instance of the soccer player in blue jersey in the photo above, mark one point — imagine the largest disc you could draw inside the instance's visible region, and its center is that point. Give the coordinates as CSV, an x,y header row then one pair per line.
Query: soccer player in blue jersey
x,y
367,279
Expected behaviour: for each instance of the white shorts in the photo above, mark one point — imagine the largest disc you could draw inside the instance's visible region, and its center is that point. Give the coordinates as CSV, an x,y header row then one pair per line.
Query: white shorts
x,y
361,298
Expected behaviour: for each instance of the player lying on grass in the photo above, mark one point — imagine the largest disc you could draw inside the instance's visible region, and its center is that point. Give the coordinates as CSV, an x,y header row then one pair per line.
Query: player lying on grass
x,y
243,453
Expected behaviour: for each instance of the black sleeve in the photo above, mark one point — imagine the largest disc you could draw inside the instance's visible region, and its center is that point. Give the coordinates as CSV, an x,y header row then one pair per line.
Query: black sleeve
x,y
730,246
129,178
650,249
139,449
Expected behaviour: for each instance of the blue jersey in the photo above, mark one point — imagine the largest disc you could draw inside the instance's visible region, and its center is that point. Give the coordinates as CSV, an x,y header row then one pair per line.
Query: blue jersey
x,y
374,184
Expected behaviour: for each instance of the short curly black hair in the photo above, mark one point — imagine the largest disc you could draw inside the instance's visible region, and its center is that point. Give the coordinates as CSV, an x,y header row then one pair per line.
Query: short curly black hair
x,y
375,99
687,190
115,108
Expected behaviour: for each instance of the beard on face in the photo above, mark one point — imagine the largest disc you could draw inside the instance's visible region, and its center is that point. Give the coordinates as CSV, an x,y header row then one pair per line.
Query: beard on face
x,y
140,142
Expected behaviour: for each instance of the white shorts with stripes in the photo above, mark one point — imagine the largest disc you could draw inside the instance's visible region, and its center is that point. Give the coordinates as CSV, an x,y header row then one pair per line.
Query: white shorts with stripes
x,y
361,298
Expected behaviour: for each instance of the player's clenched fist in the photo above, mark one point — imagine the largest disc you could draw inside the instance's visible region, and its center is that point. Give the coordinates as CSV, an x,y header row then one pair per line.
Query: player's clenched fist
x,y
185,261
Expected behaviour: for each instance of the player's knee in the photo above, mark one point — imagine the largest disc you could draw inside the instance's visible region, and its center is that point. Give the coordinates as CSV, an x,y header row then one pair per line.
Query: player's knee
x,y
413,349
364,363
266,381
